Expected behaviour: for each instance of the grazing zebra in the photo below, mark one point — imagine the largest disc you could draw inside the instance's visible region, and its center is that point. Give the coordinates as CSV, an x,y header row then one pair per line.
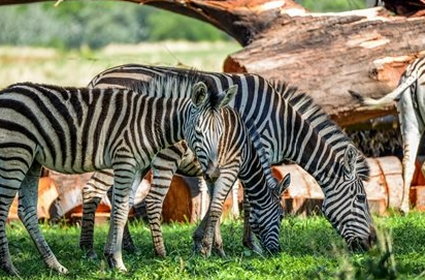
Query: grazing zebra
x,y
240,153
77,130
292,128
409,97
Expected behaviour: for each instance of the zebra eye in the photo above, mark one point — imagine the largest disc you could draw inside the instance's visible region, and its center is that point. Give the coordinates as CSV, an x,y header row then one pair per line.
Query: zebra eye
x,y
361,198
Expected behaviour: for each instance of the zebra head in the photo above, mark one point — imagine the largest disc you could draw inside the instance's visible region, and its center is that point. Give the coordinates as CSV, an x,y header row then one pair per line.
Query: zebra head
x,y
265,222
345,204
205,127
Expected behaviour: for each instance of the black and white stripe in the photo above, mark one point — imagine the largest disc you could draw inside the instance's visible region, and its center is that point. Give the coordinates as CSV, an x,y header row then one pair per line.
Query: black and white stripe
x,y
410,99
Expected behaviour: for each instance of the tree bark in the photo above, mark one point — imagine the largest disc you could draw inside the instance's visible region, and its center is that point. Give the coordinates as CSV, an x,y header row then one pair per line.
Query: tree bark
x,y
328,54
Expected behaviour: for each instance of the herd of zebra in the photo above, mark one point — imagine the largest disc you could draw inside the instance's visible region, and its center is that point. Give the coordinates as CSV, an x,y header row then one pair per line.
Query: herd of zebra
x,y
134,118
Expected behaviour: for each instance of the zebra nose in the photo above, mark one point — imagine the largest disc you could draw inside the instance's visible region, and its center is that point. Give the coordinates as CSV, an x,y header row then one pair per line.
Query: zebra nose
x,y
212,173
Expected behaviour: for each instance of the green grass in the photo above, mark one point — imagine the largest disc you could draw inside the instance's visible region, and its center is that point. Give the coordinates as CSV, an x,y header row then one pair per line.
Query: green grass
x,y
311,250
77,68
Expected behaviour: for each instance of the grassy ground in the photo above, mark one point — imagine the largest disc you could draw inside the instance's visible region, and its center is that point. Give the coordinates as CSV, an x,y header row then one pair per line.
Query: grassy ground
x,y
311,250
76,68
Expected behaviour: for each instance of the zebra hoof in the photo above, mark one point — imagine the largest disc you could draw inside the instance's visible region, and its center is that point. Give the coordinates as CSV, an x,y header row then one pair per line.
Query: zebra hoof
x,y
115,264
197,247
61,269
252,245
220,252
160,253
52,263
404,209
91,255
205,250
10,269
130,248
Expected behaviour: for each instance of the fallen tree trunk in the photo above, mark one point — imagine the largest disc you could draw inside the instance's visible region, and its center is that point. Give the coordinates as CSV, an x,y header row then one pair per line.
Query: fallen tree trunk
x,y
324,54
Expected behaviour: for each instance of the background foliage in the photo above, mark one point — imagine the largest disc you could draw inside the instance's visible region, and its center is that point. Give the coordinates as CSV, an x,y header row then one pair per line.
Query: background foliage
x,y
73,24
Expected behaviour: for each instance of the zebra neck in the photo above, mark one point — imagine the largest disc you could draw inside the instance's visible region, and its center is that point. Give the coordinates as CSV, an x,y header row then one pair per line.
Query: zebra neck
x,y
312,152
167,121
254,178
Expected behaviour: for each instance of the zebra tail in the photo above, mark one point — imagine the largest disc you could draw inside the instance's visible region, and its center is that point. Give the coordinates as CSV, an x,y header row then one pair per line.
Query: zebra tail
x,y
385,100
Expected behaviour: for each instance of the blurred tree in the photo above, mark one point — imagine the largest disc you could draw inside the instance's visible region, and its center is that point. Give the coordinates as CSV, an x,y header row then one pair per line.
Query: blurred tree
x,y
96,24
165,25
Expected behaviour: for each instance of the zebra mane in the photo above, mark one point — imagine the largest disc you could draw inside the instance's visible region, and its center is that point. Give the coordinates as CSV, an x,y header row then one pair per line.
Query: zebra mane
x,y
167,85
261,152
320,122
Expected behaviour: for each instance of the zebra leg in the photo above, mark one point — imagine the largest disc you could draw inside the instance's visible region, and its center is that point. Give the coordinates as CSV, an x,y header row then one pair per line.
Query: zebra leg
x,y
12,173
124,175
199,232
128,243
411,135
218,241
127,240
27,212
221,189
164,166
7,195
93,192
249,240
410,148
154,202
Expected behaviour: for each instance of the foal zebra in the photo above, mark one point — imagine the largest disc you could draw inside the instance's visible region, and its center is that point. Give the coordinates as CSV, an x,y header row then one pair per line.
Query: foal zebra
x,y
291,127
76,130
409,96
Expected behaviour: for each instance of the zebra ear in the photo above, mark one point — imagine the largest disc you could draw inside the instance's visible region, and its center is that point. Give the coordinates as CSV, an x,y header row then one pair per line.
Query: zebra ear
x,y
283,185
199,94
350,160
228,95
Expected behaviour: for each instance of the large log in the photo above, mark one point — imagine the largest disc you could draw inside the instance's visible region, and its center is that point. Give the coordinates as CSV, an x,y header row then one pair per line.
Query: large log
x,y
328,54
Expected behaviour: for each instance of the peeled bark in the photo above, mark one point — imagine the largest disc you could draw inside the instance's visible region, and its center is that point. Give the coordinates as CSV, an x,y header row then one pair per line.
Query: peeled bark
x,y
328,54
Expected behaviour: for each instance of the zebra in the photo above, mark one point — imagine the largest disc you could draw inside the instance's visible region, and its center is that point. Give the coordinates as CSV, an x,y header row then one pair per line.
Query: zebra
x,y
291,128
77,130
409,98
235,150
238,153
